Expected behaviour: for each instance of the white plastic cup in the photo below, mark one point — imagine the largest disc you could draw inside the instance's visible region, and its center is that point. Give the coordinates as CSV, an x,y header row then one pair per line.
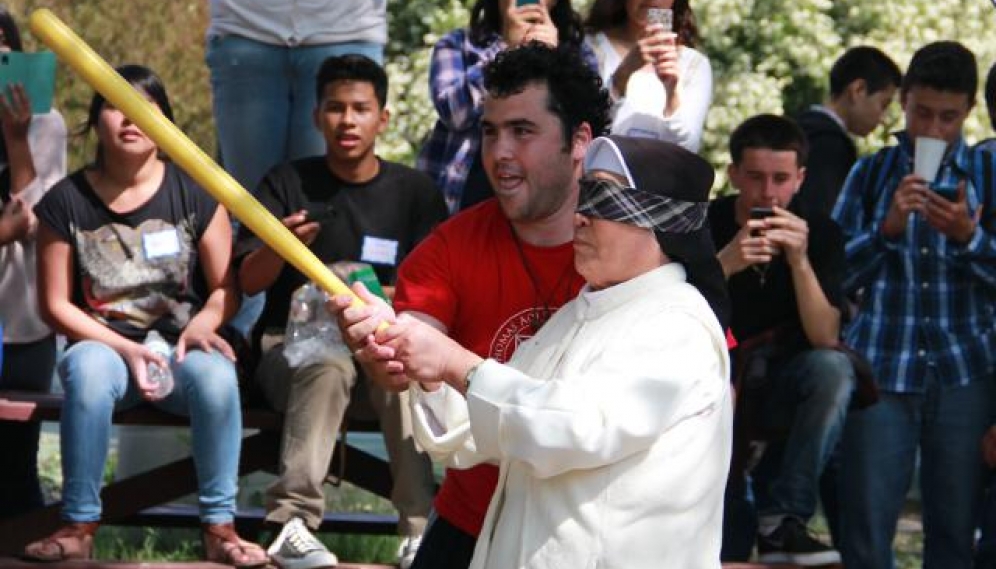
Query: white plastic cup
x,y
927,157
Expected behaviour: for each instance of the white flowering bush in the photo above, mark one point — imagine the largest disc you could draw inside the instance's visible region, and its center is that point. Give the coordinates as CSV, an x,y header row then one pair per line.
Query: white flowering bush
x,y
767,56
775,55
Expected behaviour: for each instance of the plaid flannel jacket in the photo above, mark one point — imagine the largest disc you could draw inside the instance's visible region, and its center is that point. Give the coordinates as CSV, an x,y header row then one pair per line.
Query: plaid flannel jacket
x,y
927,301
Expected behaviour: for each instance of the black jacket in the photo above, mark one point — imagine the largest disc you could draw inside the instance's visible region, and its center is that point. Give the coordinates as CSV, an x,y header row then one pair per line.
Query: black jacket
x,y
832,153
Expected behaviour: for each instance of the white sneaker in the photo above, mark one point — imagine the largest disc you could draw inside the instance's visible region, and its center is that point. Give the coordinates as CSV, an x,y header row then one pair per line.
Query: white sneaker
x,y
296,548
407,551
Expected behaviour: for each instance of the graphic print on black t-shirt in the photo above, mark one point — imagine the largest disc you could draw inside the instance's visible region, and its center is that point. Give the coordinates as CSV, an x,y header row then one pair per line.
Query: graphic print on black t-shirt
x,y
138,269
136,274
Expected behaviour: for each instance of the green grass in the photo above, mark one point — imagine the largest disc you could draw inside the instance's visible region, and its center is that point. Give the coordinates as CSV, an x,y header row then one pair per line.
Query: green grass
x,y
148,544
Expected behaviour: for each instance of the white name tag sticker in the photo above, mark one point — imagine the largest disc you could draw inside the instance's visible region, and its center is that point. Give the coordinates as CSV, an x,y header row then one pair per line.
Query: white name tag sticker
x,y
379,251
163,243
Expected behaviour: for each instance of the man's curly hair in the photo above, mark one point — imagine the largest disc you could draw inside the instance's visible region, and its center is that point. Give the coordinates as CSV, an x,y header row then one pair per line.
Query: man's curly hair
x,y
575,90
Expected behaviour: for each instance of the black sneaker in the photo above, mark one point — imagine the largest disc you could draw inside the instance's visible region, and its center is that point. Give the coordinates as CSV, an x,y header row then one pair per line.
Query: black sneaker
x,y
792,543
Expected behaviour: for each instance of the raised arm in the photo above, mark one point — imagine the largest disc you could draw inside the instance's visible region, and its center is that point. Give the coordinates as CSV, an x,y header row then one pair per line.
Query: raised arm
x,y
686,121
615,398
456,79
15,119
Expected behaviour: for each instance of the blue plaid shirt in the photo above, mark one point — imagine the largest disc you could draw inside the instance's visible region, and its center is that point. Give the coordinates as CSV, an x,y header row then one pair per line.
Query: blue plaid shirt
x,y
456,85
927,301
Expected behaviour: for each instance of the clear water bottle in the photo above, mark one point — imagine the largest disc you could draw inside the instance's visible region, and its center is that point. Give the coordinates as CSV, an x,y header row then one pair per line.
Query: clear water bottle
x,y
161,376
311,334
301,314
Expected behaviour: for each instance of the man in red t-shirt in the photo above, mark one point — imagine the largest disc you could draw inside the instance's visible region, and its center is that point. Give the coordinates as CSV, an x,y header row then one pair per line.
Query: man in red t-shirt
x,y
492,275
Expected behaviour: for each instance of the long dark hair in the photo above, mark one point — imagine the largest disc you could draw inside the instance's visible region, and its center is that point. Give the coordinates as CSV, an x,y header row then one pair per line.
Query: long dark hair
x,y
486,20
608,14
141,78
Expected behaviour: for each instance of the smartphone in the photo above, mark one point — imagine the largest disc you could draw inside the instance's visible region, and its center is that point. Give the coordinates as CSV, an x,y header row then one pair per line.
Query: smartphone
x,y
320,213
662,16
760,213
947,192
526,2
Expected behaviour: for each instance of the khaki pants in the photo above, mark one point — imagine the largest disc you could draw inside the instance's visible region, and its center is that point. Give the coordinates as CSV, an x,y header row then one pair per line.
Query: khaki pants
x,y
314,399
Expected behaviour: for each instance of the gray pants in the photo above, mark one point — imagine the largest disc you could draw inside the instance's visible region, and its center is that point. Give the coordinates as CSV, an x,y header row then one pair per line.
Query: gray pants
x,y
314,399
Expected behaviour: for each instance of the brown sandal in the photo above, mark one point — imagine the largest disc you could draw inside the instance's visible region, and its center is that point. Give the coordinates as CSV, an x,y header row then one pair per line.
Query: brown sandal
x,y
73,541
223,545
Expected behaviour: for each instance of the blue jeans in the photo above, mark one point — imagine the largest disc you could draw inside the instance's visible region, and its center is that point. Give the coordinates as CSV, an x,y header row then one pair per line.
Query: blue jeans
x,y
264,98
946,424
97,382
808,397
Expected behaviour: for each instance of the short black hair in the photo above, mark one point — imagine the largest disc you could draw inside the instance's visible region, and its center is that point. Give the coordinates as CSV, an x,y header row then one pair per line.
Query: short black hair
x,y
864,62
575,90
943,66
991,95
770,132
352,67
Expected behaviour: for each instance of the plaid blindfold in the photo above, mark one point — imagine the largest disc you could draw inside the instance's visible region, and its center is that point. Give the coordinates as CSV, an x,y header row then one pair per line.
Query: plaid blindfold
x,y
607,199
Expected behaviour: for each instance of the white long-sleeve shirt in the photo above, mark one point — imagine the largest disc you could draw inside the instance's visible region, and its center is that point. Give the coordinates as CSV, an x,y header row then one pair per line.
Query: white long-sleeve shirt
x,y
641,112
613,430
18,291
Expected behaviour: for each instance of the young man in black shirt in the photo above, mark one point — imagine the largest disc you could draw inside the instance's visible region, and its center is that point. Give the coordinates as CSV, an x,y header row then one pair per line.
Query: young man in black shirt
x,y
348,205
783,272
863,83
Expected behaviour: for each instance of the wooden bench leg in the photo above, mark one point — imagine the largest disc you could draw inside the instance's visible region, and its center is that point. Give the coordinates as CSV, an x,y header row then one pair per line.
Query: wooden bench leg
x,y
363,470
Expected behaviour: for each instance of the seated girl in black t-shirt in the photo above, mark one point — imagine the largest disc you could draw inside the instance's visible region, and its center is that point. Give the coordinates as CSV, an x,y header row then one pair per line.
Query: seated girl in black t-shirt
x,y
130,245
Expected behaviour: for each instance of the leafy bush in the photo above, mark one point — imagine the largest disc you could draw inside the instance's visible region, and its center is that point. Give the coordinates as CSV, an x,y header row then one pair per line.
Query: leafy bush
x,y
168,37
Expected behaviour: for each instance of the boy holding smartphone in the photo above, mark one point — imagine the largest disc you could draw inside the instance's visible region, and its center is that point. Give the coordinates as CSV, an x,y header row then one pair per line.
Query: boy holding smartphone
x,y
783,272
925,321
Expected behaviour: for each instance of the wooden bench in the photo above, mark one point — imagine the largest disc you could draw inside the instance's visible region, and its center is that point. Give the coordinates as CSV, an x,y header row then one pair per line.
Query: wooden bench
x,y
141,499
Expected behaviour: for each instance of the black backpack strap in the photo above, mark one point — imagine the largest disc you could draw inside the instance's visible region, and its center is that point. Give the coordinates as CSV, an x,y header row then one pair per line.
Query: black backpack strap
x,y
987,188
875,180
